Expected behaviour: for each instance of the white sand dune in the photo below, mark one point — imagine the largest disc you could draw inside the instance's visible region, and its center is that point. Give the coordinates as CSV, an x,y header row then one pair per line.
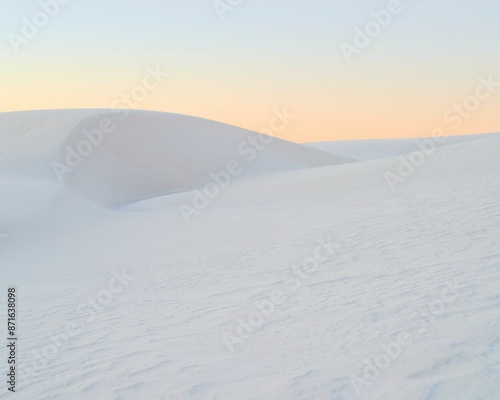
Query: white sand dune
x,y
145,154
382,148
402,304
150,154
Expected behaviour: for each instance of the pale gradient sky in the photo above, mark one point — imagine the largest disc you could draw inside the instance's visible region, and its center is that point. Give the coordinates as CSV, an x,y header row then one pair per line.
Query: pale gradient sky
x,y
264,55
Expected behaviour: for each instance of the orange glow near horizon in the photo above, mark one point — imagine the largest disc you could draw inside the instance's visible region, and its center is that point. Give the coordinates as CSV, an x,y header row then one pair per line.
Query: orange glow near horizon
x,y
314,119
